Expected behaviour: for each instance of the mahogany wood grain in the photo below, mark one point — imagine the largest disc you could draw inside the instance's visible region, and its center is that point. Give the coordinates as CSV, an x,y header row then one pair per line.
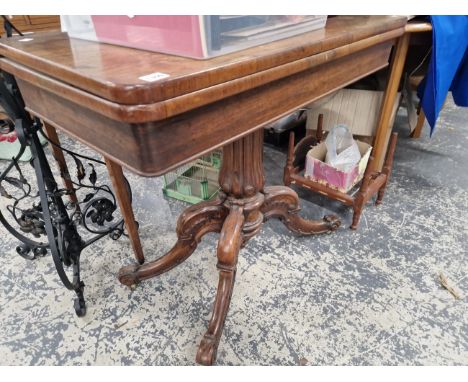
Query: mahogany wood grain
x,y
154,148
61,162
238,214
384,124
192,225
125,204
112,72
160,110
283,203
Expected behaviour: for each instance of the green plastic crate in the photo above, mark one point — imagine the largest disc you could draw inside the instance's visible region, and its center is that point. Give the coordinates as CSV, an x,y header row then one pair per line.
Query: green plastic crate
x,y
196,181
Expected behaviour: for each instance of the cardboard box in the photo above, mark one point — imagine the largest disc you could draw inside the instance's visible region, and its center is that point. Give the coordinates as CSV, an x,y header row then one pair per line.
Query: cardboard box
x,y
319,171
357,109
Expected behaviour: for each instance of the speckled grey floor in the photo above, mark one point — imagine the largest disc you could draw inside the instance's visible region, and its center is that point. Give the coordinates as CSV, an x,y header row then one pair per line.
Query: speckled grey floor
x,y
370,297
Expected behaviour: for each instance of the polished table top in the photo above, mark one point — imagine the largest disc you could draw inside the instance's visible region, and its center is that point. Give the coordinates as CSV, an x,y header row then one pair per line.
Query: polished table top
x,y
114,72
207,103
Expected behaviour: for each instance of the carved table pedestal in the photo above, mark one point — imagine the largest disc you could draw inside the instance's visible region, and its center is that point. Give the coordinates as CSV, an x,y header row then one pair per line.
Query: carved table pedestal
x,y
237,214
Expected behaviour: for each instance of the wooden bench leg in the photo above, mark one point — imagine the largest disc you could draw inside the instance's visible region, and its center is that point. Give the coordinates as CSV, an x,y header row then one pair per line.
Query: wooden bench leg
x,y
387,169
385,117
419,125
123,198
60,159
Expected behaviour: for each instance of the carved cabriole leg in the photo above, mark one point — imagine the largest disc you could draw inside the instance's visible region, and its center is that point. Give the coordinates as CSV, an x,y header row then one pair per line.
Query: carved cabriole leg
x,y
238,214
192,224
241,180
228,248
283,203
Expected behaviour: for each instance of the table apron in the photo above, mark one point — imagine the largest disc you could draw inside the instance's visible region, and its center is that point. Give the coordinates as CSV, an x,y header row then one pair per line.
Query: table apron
x,y
153,148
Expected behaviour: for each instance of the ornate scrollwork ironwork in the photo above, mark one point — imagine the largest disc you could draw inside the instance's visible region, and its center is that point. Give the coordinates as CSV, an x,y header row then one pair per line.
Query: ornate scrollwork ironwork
x,y
44,215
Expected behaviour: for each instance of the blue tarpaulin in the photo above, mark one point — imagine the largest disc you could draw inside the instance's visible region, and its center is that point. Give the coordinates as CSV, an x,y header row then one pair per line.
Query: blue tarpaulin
x,y
448,68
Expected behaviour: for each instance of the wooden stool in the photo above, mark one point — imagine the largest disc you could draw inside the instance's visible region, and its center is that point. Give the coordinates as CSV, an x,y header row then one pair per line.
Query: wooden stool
x,y
373,182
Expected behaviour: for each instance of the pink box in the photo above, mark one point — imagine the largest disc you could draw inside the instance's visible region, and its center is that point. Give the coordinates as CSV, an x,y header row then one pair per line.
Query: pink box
x,y
191,36
319,171
178,35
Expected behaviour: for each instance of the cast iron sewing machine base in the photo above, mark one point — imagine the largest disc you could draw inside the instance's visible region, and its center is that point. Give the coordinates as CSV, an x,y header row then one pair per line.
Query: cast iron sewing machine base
x,y
51,218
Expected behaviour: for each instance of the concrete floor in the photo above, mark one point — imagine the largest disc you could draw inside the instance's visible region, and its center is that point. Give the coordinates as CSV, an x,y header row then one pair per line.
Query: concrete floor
x,y
370,297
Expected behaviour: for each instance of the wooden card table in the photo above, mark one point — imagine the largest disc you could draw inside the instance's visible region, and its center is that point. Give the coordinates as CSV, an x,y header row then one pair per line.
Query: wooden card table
x,y
152,112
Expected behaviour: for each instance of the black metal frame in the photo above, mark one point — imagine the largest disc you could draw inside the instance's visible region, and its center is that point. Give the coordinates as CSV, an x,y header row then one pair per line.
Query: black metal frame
x,y
52,218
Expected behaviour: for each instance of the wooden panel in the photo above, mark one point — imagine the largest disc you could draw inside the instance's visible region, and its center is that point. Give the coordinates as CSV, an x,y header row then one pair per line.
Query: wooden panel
x,y
44,20
154,148
101,133
36,23
19,21
165,109
113,72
